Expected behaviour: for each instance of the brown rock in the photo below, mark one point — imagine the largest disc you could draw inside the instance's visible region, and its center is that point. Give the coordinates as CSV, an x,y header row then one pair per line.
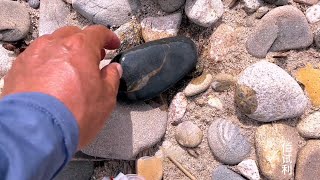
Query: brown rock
x,y
151,168
308,162
276,149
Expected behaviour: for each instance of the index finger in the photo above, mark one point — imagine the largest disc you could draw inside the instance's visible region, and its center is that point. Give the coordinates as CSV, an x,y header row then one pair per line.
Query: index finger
x,y
102,37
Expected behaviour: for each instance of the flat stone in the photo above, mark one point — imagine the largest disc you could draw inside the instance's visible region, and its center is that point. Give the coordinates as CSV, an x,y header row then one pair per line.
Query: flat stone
x,y
313,13
150,167
276,149
307,2
266,93
204,12
171,5
309,127
223,173
34,3
53,15
6,60
153,67
177,107
252,5
277,2
198,85
188,134
227,143
223,82
154,28
249,169
283,28
308,162
221,40
15,21
110,12
125,132
80,170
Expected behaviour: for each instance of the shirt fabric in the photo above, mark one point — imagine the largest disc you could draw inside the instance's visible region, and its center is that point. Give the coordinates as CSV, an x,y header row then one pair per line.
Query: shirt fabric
x,y
38,136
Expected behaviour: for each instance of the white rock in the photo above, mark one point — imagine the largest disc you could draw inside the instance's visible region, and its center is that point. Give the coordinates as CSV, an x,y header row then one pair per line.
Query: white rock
x,y
188,134
249,169
6,60
198,85
177,107
215,103
310,126
252,5
313,13
204,12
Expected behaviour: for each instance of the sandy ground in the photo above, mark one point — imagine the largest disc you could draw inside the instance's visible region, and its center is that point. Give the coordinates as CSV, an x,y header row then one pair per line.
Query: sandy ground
x,y
198,111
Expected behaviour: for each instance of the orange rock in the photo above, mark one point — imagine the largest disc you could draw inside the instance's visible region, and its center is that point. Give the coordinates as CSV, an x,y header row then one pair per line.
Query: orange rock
x,y
310,78
151,168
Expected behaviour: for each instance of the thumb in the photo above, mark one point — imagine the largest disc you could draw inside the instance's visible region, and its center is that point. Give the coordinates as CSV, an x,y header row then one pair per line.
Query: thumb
x,y
111,75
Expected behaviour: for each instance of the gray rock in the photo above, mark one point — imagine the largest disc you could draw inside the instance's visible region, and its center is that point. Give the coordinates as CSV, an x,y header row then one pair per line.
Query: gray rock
x,y
204,12
276,150
222,82
154,28
317,38
252,5
308,162
313,13
188,134
283,28
227,143
53,15
265,92
6,60
198,85
249,169
309,127
277,2
130,129
15,21
223,173
177,107
171,5
79,170
110,12
34,3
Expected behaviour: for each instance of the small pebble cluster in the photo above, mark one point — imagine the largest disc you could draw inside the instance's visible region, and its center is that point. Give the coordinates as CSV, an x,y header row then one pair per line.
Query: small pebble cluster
x,y
264,121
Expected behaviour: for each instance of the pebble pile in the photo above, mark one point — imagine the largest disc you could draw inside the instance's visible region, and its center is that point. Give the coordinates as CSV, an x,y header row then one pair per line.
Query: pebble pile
x,y
235,108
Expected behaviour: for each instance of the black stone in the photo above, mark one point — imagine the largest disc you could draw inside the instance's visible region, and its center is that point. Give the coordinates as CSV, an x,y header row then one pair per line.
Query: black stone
x,y
153,67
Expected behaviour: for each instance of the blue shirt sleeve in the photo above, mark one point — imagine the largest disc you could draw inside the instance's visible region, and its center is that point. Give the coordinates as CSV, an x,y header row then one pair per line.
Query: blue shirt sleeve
x,y
38,136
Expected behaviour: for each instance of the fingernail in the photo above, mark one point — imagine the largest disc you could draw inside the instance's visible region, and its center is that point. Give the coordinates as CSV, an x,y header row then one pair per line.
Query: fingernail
x,y
119,68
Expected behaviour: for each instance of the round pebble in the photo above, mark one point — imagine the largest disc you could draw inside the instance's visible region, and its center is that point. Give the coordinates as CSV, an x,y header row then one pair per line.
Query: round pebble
x,y
309,127
34,3
188,134
313,13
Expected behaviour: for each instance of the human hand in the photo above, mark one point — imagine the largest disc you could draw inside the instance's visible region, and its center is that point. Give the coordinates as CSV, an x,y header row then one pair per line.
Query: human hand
x,y
65,64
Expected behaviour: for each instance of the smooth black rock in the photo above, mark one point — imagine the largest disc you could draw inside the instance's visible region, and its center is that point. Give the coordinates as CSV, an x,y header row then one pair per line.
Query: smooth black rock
x,y
153,67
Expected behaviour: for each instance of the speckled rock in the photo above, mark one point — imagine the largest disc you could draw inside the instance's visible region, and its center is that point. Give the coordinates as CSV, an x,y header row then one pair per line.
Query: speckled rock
x,y
6,60
215,102
249,169
53,15
307,2
154,28
188,134
252,5
204,12
283,28
227,143
110,12
177,107
198,85
79,170
222,82
223,173
171,5
277,2
34,3
125,132
265,92
153,67
15,21
150,167
313,13
309,127
308,162
276,149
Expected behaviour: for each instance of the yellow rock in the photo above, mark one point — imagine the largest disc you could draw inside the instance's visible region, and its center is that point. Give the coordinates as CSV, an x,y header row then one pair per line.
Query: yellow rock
x,y
151,168
310,78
